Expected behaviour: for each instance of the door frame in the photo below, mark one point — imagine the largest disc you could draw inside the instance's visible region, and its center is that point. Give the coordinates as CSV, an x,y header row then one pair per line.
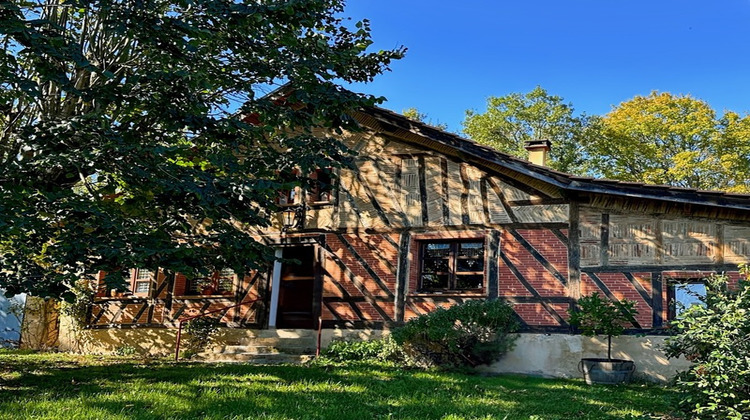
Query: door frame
x,y
275,285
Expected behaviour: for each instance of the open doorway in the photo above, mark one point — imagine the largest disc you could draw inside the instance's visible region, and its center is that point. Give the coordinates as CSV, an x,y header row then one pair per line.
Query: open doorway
x,y
296,308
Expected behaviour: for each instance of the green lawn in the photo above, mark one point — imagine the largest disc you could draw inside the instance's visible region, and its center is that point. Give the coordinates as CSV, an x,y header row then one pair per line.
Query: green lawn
x,y
65,386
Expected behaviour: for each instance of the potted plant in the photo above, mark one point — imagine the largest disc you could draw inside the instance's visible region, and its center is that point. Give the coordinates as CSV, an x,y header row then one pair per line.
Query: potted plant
x,y
207,289
595,316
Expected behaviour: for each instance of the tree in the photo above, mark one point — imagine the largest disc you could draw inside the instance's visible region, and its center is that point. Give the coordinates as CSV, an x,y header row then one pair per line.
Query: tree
x,y
675,140
599,315
715,336
734,152
513,119
414,114
121,138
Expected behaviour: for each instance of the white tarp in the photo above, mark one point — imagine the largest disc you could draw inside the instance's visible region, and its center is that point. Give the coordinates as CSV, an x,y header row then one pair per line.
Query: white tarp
x,y
11,317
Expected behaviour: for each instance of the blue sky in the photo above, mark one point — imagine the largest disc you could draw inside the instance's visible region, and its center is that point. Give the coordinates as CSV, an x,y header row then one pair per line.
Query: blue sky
x,y
593,53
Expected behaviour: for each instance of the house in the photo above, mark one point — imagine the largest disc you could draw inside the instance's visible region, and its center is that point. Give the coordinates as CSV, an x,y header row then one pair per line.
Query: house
x,y
430,219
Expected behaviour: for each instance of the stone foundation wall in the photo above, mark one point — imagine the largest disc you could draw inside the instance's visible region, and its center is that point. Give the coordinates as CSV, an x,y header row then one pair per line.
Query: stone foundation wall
x,y
557,355
549,355
161,341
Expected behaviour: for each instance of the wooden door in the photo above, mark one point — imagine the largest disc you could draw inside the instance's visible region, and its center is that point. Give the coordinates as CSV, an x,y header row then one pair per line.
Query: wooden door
x,y
296,289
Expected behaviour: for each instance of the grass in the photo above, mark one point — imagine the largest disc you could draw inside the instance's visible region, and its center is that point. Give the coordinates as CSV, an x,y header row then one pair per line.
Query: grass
x,y
55,386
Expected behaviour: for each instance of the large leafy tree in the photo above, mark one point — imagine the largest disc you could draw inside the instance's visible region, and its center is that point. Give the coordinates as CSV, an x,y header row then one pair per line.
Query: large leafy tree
x,y
673,139
121,143
416,115
734,152
511,120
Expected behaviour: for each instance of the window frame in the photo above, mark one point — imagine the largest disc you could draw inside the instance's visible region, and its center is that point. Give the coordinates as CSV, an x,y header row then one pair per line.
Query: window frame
x,y
290,198
672,293
317,189
311,194
132,281
212,285
453,273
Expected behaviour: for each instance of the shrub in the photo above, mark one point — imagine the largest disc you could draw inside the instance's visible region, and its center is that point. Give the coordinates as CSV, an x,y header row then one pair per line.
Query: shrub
x,y
597,315
469,334
199,332
125,350
715,336
383,350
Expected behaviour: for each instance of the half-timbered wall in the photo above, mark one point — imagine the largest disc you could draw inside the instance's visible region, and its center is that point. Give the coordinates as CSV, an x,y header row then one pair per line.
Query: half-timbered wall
x,y
167,303
397,186
637,255
359,279
402,195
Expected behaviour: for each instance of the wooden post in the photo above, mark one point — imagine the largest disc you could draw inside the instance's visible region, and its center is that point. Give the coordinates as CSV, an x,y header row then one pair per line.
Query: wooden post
x,y
574,252
402,275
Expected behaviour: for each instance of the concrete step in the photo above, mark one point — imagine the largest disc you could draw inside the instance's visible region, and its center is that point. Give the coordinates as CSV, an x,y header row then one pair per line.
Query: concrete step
x,y
286,333
297,349
249,349
290,348
273,341
261,359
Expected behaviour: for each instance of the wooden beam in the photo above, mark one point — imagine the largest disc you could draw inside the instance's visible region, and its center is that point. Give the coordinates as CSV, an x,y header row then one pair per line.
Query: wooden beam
x,y
574,252
657,300
317,297
603,287
465,220
402,274
423,190
604,240
446,195
493,285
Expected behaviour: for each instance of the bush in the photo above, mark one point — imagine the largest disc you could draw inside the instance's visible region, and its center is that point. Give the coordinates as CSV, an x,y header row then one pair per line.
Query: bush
x,y
715,336
125,350
382,350
469,334
199,333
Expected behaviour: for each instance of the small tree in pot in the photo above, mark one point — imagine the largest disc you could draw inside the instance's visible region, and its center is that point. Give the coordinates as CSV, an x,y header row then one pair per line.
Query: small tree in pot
x,y
595,316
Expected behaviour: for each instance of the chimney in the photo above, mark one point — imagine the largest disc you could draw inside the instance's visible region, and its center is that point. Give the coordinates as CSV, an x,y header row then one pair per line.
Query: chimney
x,y
538,151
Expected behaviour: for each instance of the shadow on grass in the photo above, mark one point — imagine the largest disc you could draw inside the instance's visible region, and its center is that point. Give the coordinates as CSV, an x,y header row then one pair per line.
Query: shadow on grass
x,y
70,388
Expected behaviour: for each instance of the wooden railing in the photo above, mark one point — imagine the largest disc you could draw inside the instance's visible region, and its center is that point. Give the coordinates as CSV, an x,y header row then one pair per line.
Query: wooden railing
x,y
179,325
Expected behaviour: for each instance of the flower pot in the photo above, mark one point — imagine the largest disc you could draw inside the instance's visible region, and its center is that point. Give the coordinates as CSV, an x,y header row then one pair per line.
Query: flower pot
x,y
606,371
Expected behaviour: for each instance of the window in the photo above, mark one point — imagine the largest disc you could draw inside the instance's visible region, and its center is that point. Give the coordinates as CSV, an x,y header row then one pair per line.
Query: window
x,y
684,293
451,265
141,281
293,195
219,283
290,197
321,191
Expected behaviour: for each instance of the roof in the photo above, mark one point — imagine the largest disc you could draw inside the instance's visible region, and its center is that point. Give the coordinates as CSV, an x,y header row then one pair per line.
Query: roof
x,y
478,153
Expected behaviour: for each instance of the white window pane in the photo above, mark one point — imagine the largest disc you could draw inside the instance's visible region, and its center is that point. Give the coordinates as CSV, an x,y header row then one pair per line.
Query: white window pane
x,y
142,286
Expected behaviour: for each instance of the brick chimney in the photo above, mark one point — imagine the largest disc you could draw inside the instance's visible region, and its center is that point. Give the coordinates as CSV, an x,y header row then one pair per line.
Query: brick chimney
x,y
538,151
